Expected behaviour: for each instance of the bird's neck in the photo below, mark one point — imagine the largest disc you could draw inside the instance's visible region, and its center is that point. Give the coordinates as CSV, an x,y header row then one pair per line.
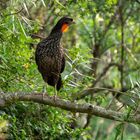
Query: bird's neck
x,y
56,35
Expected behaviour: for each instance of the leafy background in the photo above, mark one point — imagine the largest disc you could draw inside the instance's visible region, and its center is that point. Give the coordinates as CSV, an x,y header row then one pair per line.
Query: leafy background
x,y
90,45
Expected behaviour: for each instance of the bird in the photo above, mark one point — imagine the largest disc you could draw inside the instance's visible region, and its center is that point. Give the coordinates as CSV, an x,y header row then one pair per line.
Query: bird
x,y
49,54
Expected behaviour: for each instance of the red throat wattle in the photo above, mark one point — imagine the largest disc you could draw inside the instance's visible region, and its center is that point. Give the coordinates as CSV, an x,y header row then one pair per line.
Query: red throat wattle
x,y
64,27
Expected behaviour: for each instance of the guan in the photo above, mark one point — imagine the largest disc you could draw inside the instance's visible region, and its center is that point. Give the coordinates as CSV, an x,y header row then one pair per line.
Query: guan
x,y
49,55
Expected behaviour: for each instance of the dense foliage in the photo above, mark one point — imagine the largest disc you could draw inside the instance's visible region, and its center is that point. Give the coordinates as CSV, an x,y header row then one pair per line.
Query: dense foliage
x,y
102,51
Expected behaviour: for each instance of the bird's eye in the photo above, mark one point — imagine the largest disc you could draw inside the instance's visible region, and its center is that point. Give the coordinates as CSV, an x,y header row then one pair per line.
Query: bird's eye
x,y
71,19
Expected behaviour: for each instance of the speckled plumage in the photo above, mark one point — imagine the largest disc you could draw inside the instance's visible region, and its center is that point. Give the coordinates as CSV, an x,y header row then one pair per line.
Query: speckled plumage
x,y
50,58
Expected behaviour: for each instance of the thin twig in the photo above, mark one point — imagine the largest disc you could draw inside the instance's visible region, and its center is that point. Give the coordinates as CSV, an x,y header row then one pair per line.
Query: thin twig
x,y
137,1
34,36
104,72
14,13
91,90
88,91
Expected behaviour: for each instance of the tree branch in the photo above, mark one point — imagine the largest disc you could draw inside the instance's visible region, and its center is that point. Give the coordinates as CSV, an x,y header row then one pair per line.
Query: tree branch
x,y
122,43
91,89
105,70
137,1
8,99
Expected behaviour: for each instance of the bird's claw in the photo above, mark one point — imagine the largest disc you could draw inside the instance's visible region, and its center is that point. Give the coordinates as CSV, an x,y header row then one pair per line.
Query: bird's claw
x,y
55,97
43,95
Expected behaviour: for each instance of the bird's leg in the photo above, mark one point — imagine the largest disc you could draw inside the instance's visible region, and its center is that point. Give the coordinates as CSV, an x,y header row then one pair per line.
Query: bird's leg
x,y
44,90
55,92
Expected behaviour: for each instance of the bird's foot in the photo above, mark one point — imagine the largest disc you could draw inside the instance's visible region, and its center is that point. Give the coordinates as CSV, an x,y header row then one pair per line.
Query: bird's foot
x,y
44,92
43,95
55,97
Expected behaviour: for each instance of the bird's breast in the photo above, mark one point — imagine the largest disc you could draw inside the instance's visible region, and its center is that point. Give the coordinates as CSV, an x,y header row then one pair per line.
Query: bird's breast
x,y
54,51
49,54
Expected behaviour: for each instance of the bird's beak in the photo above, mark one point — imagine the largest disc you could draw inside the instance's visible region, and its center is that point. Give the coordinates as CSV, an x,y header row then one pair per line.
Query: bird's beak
x,y
73,22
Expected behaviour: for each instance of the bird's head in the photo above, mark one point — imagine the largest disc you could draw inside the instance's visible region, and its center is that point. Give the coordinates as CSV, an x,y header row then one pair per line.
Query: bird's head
x,y
63,24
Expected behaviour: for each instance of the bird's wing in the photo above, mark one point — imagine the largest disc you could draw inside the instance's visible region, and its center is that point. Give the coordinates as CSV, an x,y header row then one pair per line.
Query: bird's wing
x,y
63,64
38,52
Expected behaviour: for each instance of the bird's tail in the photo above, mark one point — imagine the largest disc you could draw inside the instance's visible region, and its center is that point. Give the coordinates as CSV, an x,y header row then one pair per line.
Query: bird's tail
x,y
59,84
53,80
